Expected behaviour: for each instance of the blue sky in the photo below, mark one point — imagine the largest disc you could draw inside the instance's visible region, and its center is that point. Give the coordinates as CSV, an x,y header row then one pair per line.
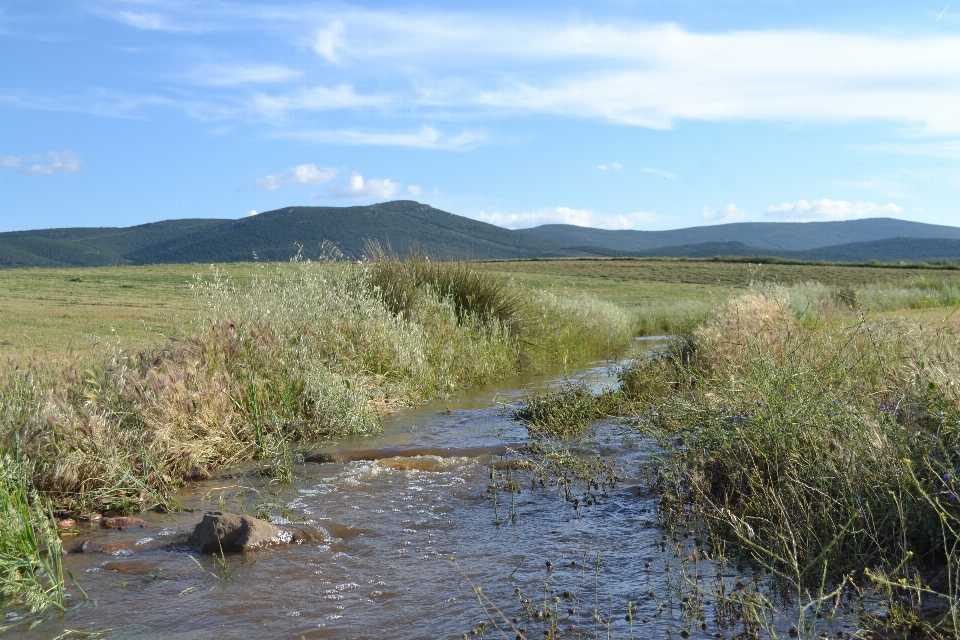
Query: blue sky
x,y
614,114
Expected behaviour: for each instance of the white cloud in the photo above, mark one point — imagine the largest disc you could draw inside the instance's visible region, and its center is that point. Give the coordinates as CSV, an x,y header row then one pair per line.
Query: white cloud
x,y
342,96
804,211
252,212
566,215
328,40
232,75
358,188
301,174
616,166
426,138
629,72
51,162
660,172
729,213
414,190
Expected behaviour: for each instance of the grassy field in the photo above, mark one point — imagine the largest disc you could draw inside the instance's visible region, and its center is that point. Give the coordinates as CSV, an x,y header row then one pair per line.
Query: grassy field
x,y
50,313
53,312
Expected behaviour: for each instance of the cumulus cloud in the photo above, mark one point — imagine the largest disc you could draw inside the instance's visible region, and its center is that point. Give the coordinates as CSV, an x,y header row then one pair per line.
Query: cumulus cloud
x,y
357,188
426,138
660,172
729,213
51,162
566,215
414,190
252,212
235,74
616,166
301,174
825,209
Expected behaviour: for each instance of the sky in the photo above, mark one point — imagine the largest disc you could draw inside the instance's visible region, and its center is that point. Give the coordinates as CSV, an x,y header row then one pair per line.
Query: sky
x,y
616,114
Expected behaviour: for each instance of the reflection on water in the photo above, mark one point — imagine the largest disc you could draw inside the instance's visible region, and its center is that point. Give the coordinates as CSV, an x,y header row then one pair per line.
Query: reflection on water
x,y
397,520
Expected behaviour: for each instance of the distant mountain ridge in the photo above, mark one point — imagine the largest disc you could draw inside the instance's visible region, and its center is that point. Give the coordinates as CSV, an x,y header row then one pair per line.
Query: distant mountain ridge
x,y
406,225
778,236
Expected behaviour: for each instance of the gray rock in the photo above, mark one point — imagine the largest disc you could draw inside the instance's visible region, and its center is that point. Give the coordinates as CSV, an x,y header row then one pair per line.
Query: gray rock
x,y
233,532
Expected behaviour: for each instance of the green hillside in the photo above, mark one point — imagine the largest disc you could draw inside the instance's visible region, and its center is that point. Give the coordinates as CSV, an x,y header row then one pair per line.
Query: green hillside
x,y
275,235
888,250
402,224
781,236
405,225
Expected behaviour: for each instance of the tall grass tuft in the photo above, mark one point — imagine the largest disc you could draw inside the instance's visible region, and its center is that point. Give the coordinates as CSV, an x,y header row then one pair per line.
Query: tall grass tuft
x,y
31,575
821,451
302,353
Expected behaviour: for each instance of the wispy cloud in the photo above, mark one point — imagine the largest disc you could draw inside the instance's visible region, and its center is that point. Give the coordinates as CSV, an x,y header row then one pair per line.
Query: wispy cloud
x,y
342,96
301,174
660,172
566,215
45,164
940,149
414,190
328,40
215,75
426,138
615,166
729,213
825,209
357,188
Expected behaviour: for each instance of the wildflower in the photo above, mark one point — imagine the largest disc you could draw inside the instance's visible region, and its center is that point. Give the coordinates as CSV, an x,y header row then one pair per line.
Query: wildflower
x,y
946,477
678,442
788,396
953,496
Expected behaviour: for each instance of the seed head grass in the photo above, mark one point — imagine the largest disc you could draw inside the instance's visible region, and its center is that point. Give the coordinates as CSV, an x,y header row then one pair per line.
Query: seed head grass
x,y
294,354
821,450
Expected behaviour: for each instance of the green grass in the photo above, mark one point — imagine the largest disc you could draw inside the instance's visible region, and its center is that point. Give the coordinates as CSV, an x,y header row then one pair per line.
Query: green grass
x,y
822,452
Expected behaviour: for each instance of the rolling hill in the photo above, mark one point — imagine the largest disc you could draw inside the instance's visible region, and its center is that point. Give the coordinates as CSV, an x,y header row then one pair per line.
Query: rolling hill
x,y
778,236
405,225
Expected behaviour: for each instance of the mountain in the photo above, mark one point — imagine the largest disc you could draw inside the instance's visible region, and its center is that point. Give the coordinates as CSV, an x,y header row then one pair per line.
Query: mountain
x,y
779,236
887,250
405,225
276,235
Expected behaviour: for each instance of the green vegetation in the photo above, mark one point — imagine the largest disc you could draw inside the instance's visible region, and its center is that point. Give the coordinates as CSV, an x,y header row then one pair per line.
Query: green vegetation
x,y
813,431
772,236
31,575
295,353
410,226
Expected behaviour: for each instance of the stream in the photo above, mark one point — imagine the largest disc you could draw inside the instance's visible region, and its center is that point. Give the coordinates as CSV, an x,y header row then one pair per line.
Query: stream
x,y
396,523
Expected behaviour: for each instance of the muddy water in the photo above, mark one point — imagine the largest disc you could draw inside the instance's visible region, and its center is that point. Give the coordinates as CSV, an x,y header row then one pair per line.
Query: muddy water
x,y
397,521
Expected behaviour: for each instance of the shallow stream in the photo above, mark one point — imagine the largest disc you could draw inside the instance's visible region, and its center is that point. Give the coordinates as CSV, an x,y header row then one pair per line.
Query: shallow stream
x,y
396,522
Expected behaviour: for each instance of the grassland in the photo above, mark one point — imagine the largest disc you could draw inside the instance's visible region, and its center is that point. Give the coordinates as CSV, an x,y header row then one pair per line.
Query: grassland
x,y
49,313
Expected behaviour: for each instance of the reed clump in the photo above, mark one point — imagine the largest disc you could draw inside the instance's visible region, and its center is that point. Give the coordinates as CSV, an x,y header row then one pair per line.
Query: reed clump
x,y
822,451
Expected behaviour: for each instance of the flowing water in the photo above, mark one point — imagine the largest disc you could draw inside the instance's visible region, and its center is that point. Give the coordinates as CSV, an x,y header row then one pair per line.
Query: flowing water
x,y
396,523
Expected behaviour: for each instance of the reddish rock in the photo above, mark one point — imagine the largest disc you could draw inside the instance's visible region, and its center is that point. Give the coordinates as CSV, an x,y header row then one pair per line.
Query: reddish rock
x,y
122,523
196,473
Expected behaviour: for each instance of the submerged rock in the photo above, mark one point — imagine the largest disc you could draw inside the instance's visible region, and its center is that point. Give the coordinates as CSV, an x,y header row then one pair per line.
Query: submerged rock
x,y
233,532
122,522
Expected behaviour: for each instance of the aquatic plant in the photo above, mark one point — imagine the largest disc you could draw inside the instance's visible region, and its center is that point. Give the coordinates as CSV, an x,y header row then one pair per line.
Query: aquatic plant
x,y
31,575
